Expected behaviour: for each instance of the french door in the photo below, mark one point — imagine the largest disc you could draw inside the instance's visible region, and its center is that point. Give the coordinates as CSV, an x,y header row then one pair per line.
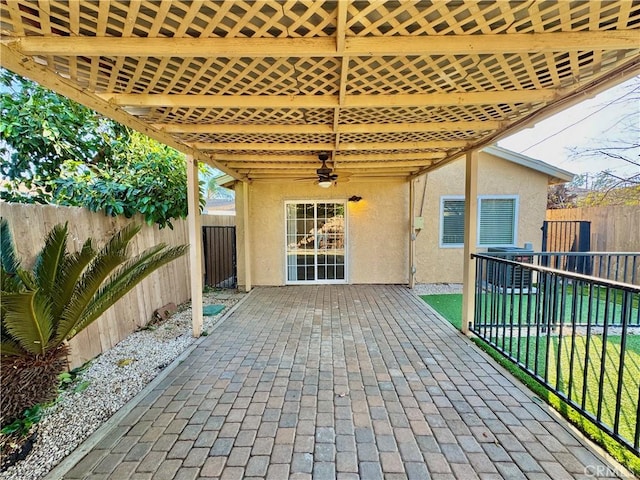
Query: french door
x,y
315,242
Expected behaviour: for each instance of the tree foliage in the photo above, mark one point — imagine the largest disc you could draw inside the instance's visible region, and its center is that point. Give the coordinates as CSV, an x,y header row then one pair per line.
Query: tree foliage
x,y
559,196
606,188
41,130
57,151
149,178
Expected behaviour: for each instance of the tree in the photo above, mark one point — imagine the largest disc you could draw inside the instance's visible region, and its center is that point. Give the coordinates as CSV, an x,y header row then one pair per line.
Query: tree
x,y
605,188
149,178
63,294
559,196
61,152
609,187
41,130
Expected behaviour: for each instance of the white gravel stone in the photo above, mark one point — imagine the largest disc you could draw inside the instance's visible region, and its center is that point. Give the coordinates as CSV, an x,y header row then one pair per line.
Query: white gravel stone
x,y
75,416
437,288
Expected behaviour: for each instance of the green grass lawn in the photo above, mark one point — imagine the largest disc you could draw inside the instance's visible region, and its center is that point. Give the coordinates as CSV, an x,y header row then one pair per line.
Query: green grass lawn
x,y
561,349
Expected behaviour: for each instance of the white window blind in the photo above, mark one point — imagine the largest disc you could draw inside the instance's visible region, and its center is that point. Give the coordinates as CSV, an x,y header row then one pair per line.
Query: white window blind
x,y
452,222
497,221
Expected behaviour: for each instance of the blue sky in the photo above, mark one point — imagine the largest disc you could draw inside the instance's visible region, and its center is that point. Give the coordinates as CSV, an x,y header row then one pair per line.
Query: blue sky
x,y
583,125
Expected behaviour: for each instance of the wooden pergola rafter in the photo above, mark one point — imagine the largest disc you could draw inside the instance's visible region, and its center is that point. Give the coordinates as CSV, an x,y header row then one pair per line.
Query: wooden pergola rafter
x,y
455,75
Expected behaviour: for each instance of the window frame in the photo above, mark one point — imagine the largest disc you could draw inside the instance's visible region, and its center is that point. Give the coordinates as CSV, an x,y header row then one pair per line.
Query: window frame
x,y
444,198
480,198
516,212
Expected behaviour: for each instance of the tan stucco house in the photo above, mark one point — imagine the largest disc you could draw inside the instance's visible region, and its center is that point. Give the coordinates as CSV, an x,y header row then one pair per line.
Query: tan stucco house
x,y
358,231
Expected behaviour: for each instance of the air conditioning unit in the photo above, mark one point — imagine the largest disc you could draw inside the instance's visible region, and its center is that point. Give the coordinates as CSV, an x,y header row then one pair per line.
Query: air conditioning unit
x,y
506,276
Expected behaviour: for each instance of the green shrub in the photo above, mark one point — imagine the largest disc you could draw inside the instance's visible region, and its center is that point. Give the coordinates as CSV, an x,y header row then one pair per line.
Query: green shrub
x,y
63,294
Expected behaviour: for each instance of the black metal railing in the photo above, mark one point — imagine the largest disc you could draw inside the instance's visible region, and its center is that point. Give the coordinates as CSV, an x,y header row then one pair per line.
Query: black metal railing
x,y
617,266
574,333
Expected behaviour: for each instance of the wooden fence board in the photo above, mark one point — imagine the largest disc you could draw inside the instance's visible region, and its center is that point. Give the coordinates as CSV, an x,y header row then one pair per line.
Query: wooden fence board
x,y
613,228
30,224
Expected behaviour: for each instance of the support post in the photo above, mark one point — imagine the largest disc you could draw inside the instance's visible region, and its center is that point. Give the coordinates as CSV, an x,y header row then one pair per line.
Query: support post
x,y
247,242
470,239
195,244
412,234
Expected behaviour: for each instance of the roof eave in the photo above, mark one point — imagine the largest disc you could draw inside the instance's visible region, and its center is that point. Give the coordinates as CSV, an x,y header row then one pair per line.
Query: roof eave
x,y
555,174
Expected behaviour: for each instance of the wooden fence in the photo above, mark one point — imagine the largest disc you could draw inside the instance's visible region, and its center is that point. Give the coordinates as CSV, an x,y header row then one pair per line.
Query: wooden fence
x,y
30,224
613,228
218,220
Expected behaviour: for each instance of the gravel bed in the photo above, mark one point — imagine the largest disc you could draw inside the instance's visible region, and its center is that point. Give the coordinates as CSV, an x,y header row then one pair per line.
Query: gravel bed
x,y
437,288
114,378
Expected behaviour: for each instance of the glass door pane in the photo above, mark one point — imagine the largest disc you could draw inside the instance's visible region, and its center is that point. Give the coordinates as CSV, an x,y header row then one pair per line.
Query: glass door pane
x,y
300,244
330,245
315,239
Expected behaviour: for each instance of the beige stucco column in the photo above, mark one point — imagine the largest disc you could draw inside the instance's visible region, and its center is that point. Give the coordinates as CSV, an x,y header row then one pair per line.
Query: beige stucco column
x,y
470,238
195,244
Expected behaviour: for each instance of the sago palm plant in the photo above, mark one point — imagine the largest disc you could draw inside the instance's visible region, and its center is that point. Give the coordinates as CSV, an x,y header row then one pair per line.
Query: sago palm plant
x,y
65,292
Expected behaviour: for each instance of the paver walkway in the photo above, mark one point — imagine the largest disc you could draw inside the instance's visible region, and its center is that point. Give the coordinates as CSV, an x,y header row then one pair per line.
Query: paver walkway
x,y
340,382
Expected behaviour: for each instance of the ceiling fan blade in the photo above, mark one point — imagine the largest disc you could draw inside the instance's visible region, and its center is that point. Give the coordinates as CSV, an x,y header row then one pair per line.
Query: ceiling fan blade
x,y
305,179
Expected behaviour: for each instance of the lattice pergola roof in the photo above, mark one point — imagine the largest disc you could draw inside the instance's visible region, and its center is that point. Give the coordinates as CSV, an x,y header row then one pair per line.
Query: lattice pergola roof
x,y
260,88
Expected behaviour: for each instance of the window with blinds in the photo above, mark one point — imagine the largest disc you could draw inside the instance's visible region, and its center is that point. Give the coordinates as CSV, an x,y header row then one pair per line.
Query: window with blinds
x,y
452,222
497,221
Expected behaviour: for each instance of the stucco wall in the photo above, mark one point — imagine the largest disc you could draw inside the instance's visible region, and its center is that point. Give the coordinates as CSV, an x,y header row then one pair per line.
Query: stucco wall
x,y
378,225
377,229
495,176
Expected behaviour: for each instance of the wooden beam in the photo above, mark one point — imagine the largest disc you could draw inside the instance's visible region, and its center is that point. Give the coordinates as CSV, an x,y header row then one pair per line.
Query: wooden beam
x,y
446,99
341,24
195,244
341,29
435,144
461,126
26,67
363,177
412,234
174,47
326,46
285,157
220,101
493,43
263,146
220,129
247,237
329,101
312,166
470,239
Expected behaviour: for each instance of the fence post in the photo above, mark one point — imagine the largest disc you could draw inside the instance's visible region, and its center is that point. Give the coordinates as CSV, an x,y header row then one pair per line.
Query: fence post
x,y
584,245
544,259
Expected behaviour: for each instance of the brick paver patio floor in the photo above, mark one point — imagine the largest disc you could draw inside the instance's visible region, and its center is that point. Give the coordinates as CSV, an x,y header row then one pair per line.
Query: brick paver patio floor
x,y
339,382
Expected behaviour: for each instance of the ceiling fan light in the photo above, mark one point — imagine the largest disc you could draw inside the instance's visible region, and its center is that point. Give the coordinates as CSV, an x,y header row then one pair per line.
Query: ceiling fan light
x,y
325,183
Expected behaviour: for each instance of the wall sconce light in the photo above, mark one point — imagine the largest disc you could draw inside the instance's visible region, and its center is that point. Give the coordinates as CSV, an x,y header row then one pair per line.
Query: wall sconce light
x,y
355,198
